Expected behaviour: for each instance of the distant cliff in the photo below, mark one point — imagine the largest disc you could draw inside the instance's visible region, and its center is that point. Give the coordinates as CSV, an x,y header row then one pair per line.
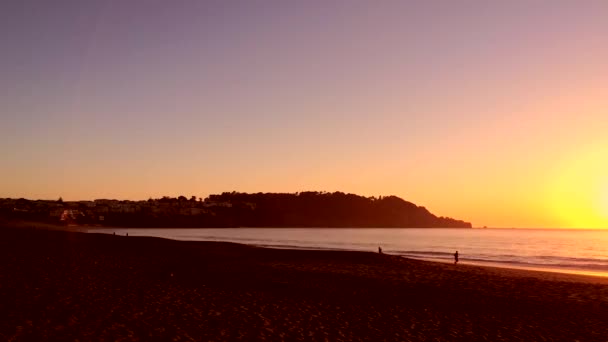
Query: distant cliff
x,y
235,209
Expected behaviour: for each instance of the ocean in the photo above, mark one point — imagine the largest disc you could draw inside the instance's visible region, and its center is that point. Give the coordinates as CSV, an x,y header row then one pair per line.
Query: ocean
x,y
570,251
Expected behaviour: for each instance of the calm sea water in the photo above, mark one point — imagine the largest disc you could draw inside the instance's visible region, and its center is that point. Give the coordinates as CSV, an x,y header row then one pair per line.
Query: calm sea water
x,y
572,251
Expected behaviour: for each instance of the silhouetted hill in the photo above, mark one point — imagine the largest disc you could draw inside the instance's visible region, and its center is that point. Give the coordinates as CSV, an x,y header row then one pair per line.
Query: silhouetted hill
x,y
236,209
323,209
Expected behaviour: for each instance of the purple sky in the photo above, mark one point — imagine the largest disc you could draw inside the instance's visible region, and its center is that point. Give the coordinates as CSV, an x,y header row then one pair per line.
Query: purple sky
x,y
474,109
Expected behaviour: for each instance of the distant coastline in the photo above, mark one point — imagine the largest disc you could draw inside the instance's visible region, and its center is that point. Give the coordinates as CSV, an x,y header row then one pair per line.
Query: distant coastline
x,y
233,210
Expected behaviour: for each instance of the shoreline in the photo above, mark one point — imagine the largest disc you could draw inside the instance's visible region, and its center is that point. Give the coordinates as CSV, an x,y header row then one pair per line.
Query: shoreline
x,y
59,285
490,264
541,269
536,268
513,270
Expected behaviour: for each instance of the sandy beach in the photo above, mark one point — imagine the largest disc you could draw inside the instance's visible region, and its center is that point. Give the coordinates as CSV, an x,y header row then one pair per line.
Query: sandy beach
x,y
93,287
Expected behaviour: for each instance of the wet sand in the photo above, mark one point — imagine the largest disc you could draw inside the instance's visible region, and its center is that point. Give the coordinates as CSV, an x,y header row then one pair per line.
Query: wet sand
x,y
93,287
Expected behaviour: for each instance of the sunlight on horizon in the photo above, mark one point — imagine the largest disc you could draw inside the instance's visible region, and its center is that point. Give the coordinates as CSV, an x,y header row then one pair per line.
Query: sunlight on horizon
x,y
579,194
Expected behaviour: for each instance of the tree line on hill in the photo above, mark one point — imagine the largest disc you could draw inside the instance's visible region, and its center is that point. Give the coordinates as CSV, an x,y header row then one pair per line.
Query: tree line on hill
x,y
325,209
303,209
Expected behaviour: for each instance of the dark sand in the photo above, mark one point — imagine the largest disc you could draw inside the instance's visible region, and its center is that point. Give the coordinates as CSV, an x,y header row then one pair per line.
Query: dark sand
x,y
74,286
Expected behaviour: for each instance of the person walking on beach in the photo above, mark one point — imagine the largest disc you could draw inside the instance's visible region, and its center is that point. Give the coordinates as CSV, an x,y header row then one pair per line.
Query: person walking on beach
x,y
456,258
379,250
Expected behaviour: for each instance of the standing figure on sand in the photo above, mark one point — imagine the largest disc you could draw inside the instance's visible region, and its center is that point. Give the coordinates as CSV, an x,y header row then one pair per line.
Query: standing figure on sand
x,y
456,258
379,250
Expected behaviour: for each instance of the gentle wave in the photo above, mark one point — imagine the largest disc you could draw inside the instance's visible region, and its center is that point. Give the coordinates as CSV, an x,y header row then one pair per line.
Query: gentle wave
x,y
534,261
282,246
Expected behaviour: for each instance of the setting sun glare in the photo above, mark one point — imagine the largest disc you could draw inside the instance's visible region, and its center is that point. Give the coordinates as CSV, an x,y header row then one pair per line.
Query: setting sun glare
x,y
580,192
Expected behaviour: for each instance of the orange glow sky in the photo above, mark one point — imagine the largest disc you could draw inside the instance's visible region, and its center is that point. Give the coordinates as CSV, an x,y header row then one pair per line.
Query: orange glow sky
x,y
494,113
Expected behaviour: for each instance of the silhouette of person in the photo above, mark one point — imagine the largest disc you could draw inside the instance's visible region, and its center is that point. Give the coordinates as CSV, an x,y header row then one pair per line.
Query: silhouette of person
x,y
456,258
379,249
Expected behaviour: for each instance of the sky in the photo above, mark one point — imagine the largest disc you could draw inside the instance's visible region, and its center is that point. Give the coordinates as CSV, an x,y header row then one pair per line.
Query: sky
x,y
486,111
